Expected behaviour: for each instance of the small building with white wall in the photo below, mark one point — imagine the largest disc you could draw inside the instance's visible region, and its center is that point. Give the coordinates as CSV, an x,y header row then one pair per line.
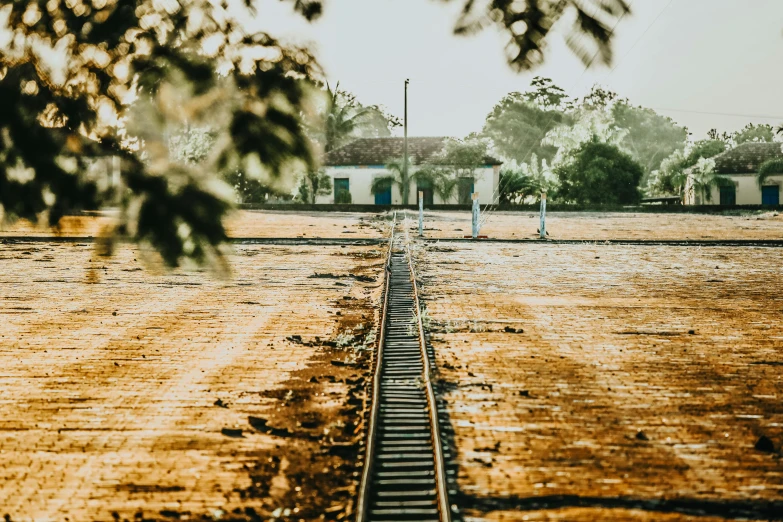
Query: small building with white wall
x,y
353,167
740,166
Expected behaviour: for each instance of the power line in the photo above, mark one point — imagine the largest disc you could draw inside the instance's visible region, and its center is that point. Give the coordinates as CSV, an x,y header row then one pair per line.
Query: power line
x,y
763,116
639,39
492,206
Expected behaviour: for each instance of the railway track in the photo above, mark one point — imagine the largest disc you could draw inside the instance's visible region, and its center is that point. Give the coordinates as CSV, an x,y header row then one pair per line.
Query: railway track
x,y
405,475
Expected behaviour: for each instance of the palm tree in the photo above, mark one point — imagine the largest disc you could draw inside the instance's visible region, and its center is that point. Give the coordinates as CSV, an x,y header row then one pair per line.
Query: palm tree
x,y
767,169
434,175
515,186
445,187
702,179
398,176
344,115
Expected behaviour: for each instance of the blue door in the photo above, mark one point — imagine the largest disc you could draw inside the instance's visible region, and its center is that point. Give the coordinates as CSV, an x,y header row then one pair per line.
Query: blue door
x,y
383,198
770,195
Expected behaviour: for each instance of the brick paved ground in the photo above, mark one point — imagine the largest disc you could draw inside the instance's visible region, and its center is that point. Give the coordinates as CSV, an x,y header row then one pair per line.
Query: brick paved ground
x,y
243,223
110,374
605,225
683,344
508,225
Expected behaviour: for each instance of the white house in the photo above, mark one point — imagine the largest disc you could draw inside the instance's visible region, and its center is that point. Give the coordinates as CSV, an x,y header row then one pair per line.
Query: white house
x,y
741,165
354,166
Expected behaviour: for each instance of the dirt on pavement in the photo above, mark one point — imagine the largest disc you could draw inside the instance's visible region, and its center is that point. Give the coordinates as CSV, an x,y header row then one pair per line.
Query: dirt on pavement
x,y
599,382
131,393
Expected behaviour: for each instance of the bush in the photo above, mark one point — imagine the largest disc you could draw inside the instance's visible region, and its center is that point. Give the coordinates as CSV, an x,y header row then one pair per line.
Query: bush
x,y
342,197
600,174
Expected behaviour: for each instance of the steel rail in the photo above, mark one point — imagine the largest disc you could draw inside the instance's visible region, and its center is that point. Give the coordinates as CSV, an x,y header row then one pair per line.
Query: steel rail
x,y
404,475
362,506
437,442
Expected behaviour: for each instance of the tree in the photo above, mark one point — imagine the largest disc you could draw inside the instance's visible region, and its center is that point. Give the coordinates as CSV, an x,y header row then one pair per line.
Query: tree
x,y
59,115
518,123
249,190
342,197
344,119
599,99
588,125
192,144
715,135
313,184
516,187
672,175
528,23
755,133
701,179
600,174
525,182
399,176
767,169
651,138
548,96
704,149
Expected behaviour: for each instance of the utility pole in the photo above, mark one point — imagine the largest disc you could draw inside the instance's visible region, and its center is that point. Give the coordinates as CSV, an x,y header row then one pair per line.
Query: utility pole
x,y
405,146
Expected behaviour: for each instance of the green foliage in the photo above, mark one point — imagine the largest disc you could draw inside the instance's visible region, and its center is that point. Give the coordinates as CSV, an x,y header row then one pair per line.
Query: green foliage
x,y
671,176
524,183
704,149
651,138
598,99
516,187
249,190
588,124
458,161
702,179
715,135
192,145
755,133
112,51
399,176
168,54
548,96
599,173
518,124
441,178
343,197
314,183
463,157
344,119
767,169
528,24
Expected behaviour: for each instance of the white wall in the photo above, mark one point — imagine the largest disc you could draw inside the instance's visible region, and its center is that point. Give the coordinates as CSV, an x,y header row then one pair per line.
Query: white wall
x,y
360,180
746,187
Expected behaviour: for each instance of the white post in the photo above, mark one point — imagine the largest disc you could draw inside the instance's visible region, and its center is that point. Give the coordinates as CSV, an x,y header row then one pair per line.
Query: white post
x,y
475,215
542,227
421,214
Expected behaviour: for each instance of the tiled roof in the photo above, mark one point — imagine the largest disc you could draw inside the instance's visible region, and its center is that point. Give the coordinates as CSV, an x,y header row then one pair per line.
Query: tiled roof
x,y
747,158
380,151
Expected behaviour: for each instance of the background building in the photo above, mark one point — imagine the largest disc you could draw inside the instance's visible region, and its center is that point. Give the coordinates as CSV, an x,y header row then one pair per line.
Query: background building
x,y
354,166
740,166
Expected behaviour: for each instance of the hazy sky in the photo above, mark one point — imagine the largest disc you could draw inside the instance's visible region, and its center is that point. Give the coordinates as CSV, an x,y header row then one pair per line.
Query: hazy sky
x,y
705,63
